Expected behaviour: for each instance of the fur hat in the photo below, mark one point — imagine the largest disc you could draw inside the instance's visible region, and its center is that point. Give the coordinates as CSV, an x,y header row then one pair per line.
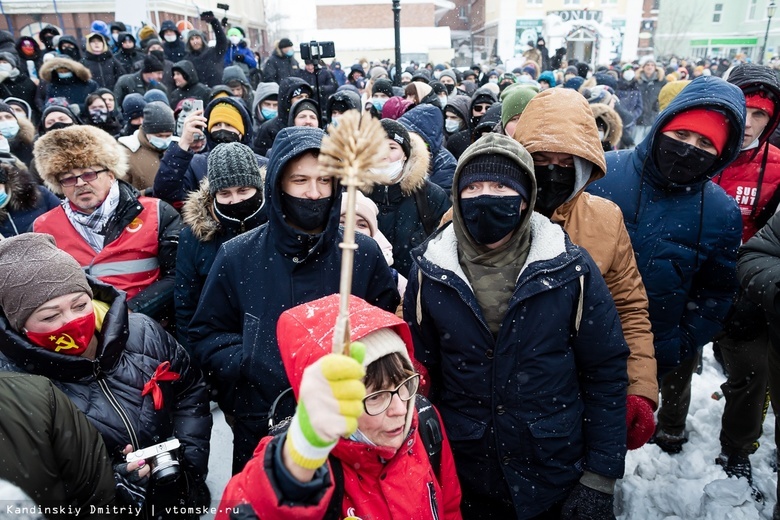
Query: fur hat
x,y
79,146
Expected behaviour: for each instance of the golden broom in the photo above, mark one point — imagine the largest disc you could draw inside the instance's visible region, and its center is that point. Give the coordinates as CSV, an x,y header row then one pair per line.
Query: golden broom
x,y
348,152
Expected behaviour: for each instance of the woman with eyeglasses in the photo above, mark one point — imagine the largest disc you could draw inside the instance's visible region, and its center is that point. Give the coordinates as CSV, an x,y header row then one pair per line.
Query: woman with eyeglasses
x,y
358,445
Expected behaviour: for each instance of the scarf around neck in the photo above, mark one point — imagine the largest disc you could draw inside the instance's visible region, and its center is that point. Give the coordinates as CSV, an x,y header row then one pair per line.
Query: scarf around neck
x,y
90,227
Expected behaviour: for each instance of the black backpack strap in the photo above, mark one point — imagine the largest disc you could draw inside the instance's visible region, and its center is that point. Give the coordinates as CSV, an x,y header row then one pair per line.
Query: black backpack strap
x,y
424,210
337,476
430,431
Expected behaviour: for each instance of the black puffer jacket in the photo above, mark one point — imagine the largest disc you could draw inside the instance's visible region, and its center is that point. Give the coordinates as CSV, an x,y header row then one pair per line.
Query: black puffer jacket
x,y
108,389
193,89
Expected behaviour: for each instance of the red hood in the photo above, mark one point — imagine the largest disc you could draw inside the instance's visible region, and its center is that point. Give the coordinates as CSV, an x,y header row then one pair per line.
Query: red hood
x,y
305,332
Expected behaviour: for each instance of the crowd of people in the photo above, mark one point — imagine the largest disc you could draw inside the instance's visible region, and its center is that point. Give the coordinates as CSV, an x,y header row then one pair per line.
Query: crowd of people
x,y
542,259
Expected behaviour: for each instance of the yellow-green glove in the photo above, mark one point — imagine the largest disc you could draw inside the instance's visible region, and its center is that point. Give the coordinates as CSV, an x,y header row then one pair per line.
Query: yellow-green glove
x,y
330,401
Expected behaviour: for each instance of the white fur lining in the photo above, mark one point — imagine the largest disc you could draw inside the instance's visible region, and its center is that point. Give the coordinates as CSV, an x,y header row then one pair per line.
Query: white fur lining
x,y
547,242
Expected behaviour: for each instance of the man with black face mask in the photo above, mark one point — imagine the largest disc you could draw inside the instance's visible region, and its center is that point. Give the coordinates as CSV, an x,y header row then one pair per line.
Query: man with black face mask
x,y
293,259
184,163
685,231
563,167
494,302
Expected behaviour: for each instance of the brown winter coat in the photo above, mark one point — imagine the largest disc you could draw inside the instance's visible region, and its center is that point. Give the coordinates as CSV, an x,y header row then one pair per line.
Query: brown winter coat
x,y
595,223
143,158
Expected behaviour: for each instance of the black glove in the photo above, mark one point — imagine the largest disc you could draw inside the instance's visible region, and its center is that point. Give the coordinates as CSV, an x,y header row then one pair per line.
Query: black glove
x,y
239,57
586,503
225,22
130,486
207,16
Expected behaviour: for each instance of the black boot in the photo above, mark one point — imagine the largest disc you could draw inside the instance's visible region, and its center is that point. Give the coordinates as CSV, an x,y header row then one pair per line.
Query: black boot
x,y
738,466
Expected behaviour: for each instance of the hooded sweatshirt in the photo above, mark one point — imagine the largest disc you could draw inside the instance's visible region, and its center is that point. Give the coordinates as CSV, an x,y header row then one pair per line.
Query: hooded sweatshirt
x,y
262,92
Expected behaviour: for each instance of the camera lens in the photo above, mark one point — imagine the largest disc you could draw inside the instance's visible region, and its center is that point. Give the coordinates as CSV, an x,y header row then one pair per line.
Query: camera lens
x,y
165,468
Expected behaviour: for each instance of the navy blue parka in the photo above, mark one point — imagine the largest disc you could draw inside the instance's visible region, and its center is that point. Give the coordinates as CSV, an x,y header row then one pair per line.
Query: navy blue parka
x,y
685,237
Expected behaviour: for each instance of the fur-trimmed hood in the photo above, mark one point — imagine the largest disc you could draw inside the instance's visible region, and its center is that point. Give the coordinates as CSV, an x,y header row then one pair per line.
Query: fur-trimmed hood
x,y
78,146
415,169
198,212
611,119
21,188
48,69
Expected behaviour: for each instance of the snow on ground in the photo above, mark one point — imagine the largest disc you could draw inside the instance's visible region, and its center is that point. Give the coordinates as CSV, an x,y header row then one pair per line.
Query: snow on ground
x,y
656,485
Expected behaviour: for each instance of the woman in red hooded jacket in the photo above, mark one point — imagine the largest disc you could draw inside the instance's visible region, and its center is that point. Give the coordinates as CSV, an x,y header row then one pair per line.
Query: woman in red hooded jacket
x,y
382,468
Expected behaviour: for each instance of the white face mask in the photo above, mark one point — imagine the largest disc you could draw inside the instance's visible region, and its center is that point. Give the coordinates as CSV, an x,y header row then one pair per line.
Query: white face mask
x,y
392,171
601,135
628,75
451,126
170,38
6,67
235,39
437,74
5,146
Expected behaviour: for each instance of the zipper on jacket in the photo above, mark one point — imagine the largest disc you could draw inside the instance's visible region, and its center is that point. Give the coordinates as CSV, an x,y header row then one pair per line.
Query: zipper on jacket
x,y
116,406
434,505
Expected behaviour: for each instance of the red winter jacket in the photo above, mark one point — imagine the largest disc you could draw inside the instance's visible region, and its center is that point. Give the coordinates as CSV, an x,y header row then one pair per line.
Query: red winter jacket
x,y
741,181
378,484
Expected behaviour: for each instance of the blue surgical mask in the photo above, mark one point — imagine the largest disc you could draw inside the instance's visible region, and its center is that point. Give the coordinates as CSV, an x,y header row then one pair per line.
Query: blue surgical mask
x,y
451,125
9,129
3,198
159,142
268,113
290,53
378,103
64,75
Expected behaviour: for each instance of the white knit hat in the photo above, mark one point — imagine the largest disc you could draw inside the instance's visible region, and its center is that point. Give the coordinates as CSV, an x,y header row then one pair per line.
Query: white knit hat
x,y
381,343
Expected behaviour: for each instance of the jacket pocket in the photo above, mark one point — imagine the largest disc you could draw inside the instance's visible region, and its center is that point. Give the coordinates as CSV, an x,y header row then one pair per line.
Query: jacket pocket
x,y
557,438
461,427
250,342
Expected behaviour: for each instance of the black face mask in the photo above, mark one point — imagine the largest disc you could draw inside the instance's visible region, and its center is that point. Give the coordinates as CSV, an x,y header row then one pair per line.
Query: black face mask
x,y
680,162
224,136
58,126
554,184
71,52
449,88
160,55
306,214
489,218
241,210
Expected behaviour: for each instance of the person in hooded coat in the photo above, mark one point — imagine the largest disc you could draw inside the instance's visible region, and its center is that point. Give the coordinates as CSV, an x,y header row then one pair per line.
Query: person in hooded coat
x,y
16,83
595,224
128,54
18,133
752,179
68,79
22,199
456,117
265,105
7,43
105,69
171,40
131,379
481,98
344,100
410,205
208,61
291,89
526,361
685,231
228,202
232,333
238,52
427,121
385,475
191,87
182,168
281,64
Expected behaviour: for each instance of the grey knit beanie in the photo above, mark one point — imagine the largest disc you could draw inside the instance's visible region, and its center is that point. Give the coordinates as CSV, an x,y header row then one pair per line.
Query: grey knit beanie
x,y
231,165
158,118
32,272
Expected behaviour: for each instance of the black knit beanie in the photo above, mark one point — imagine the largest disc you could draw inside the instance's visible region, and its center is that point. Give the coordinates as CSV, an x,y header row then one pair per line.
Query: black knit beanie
x,y
152,64
495,168
399,134
383,86
158,118
231,165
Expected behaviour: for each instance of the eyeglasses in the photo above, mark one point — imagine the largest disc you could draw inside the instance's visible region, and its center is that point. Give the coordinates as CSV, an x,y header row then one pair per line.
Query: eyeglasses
x,y
377,402
480,108
88,176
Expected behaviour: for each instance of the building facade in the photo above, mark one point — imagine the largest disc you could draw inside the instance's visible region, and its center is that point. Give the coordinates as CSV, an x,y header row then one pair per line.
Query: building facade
x,y
716,29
